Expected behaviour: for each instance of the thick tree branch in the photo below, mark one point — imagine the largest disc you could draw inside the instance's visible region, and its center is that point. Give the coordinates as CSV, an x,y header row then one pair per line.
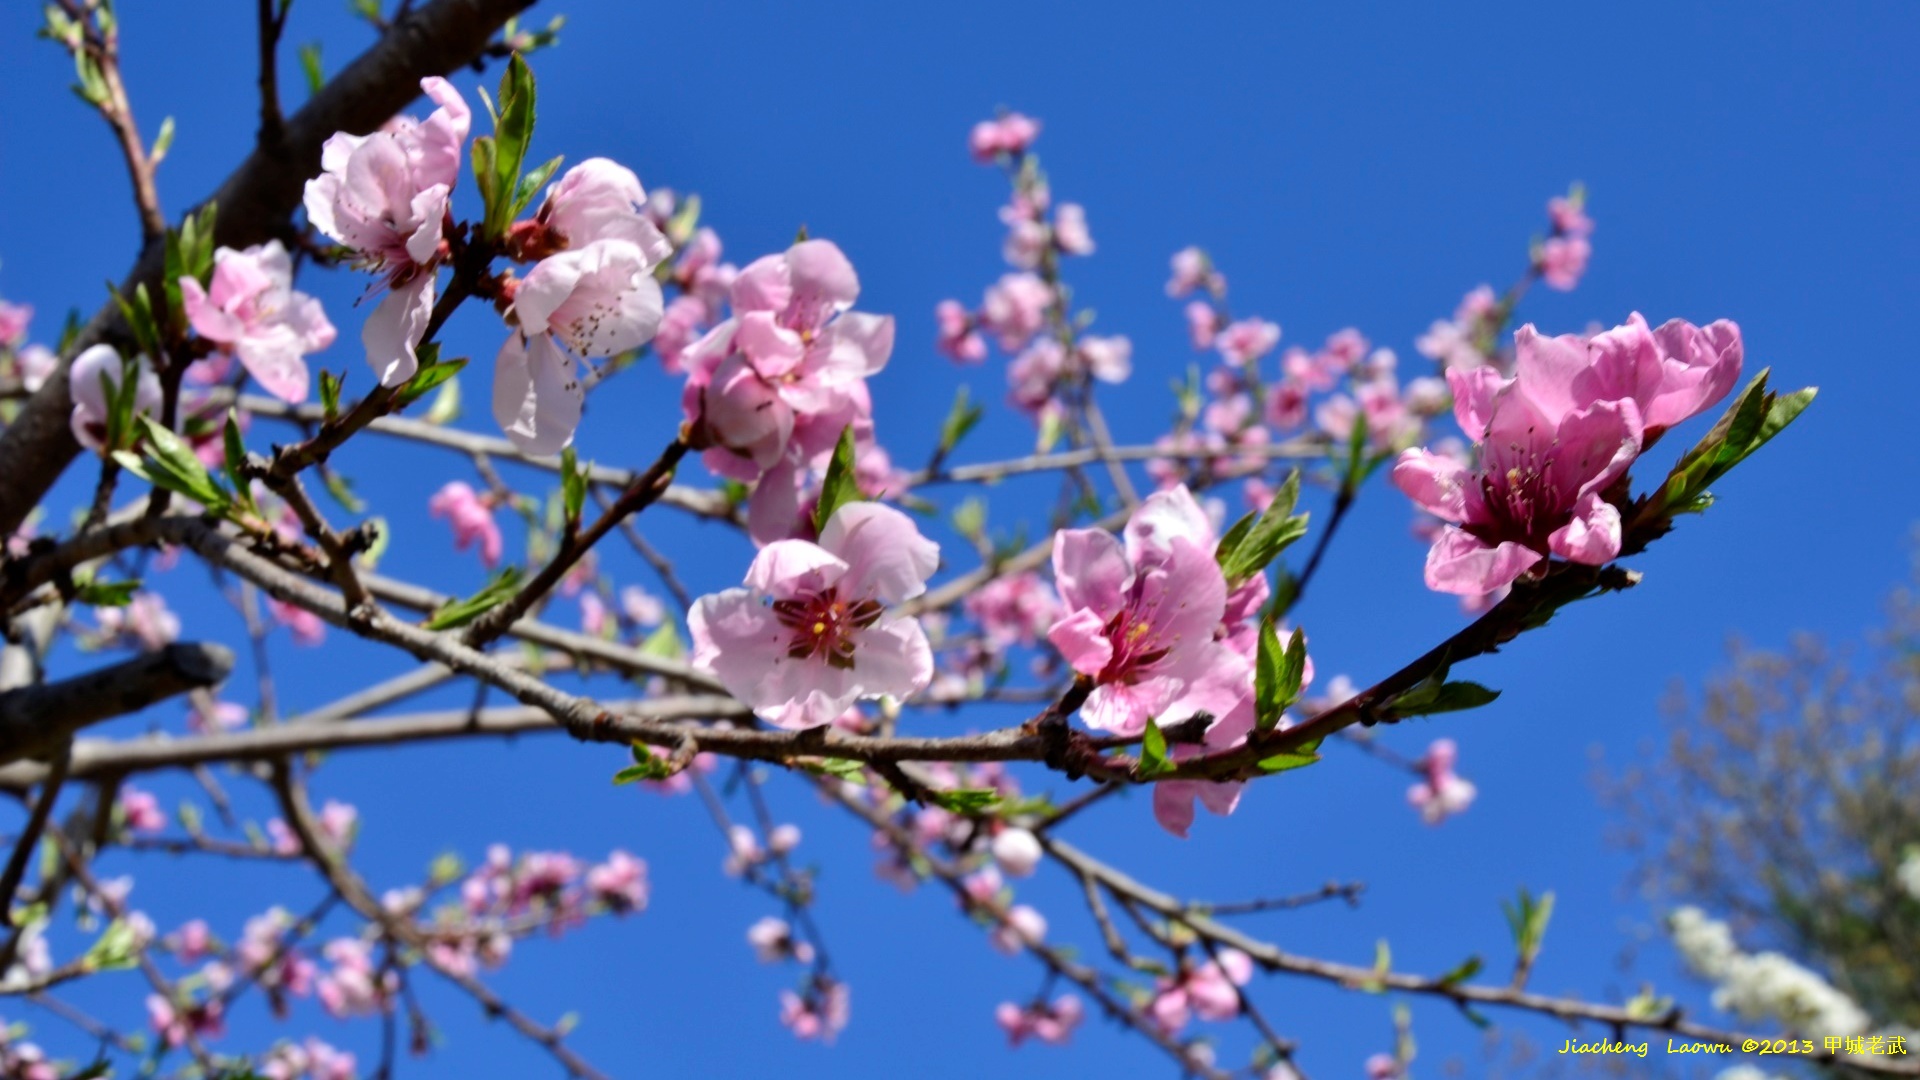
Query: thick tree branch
x,y
37,720
256,203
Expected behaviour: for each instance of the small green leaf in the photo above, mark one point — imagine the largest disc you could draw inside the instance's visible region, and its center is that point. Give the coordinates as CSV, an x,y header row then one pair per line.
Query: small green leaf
x,y
513,132
964,801
329,394
1468,969
961,418
647,765
446,404
106,593
432,373
1263,541
1290,759
486,168
1438,697
841,485
531,184
838,768
456,613
235,455
664,643
1154,762
1278,675
573,485
340,486
162,142
310,64
168,462
970,519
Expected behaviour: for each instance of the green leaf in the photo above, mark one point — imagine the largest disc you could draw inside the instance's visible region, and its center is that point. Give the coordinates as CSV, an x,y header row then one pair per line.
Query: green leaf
x,y
168,462
162,142
106,593
116,948
512,133
664,643
329,394
531,184
970,519
1755,417
461,612
961,418
1468,969
1440,697
1291,759
1263,541
647,765
137,310
838,768
310,64
235,453
382,539
1278,674
573,485
486,167
446,404
340,486
841,486
965,801
1154,762
433,371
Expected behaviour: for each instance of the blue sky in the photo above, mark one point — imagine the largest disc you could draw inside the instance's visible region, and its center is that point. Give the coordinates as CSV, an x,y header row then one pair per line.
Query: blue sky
x,y
1348,165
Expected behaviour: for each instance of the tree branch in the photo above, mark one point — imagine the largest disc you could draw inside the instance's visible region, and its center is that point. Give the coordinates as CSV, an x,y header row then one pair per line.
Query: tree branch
x,y
39,719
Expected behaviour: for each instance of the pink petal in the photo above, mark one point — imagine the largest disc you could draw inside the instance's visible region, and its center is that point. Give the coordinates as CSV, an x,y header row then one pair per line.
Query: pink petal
x,y
1462,564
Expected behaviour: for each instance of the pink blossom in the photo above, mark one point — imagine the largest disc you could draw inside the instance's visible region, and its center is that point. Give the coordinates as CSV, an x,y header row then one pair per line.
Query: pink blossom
x,y
1203,324
145,621
1382,1067
1569,216
642,607
471,517
1034,375
307,628
385,195
1441,794
1070,233
680,326
600,199
204,1020
1109,359
1192,269
1050,1023
95,373
1019,927
810,633
957,338
821,1014
1553,439
1563,260
191,942
1208,990
1016,850
36,363
251,310
599,299
1011,134
1140,614
226,716
14,320
141,810
1015,609
1015,309
352,987
783,838
1247,340
773,941
1456,344
772,388
983,885
620,882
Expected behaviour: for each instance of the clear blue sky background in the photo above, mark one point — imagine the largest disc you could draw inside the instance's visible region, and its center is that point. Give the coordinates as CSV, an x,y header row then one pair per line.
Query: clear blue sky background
x,y
1350,165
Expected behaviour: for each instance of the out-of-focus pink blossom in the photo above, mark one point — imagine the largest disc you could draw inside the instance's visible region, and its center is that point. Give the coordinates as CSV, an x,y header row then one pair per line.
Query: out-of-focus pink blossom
x,y
1010,134
251,310
1563,261
95,374
1070,233
620,882
1442,793
227,716
145,621
352,987
1456,344
141,810
14,320
642,607
1015,609
1019,927
1015,308
1569,216
36,363
810,634
958,339
1207,990
821,1014
307,628
1017,851
1203,324
773,941
1247,340
1050,1023
385,195
191,942
1192,269
471,517
202,1020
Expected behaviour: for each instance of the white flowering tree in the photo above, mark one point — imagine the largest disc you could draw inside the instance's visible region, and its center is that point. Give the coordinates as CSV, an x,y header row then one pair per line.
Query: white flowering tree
x,y
1147,631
